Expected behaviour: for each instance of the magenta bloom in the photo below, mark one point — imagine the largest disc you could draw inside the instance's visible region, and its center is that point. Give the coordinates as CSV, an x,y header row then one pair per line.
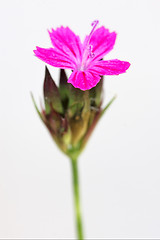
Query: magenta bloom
x,y
84,59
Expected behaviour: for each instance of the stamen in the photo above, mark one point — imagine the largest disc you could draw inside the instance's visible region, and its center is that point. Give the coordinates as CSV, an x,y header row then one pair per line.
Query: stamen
x,y
88,52
93,24
91,54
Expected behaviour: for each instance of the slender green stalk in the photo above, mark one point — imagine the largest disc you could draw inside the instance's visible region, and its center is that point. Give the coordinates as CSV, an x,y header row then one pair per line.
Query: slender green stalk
x,y
76,198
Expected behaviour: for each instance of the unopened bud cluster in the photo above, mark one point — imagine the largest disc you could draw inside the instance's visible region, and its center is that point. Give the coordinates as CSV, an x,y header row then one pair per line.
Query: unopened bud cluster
x,y
70,114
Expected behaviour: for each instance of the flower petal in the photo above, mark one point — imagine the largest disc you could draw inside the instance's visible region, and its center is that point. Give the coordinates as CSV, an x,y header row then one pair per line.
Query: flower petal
x,y
54,58
111,67
102,42
84,80
67,43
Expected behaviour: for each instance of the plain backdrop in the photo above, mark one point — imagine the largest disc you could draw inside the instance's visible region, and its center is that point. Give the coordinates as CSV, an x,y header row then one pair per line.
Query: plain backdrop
x,y
120,168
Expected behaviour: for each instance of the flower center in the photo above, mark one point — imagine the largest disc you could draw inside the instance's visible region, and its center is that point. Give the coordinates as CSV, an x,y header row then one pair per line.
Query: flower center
x,y
88,52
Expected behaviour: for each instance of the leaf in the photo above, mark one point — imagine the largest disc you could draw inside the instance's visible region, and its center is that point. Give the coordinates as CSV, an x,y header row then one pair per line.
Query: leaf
x,y
51,94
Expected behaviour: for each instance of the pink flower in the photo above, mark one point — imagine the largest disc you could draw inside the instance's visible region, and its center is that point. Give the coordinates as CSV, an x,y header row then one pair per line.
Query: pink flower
x,y
84,59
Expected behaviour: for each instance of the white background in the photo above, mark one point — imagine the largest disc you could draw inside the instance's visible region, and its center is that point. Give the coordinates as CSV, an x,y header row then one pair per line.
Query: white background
x,y
120,168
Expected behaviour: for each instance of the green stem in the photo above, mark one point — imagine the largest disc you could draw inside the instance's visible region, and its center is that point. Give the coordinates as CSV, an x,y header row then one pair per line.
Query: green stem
x,y
76,198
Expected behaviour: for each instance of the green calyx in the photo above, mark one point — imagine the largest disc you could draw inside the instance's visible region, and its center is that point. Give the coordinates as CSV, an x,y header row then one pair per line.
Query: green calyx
x,y
70,114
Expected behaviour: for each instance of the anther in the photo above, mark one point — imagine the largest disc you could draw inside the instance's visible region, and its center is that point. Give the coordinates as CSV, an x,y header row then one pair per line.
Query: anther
x,y
93,24
91,54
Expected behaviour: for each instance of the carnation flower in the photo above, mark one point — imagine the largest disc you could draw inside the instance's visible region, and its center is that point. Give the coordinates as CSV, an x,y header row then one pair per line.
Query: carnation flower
x,y
84,59
72,109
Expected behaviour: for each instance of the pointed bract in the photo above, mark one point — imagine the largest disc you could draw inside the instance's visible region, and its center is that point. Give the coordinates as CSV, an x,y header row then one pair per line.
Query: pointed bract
x,y
107,106
72,127
63,78
51,94
63,88
35,105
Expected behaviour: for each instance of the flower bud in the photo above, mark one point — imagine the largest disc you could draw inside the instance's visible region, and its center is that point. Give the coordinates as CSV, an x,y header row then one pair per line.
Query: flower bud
x,y
70,114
